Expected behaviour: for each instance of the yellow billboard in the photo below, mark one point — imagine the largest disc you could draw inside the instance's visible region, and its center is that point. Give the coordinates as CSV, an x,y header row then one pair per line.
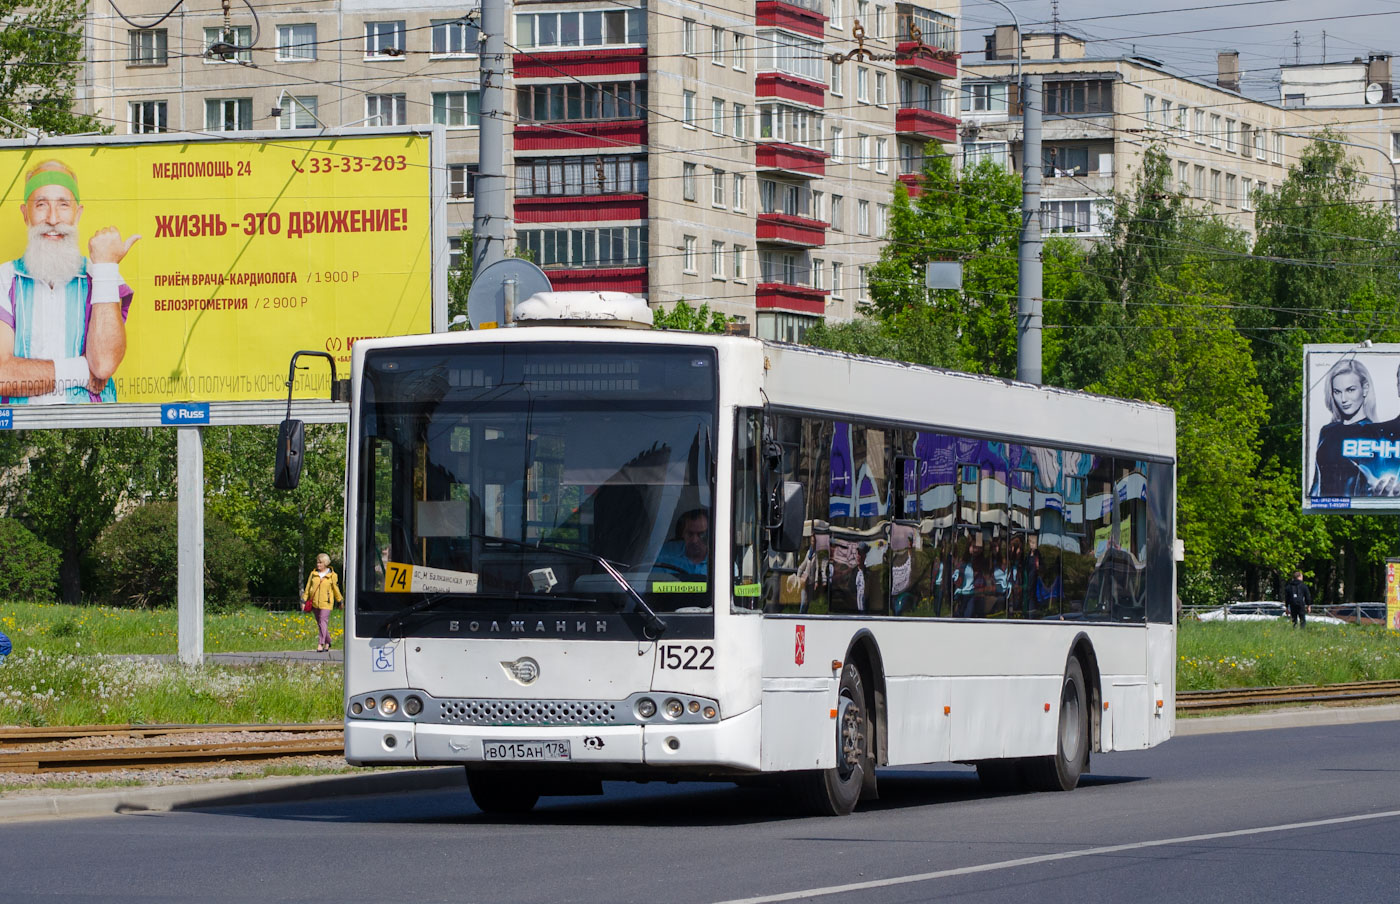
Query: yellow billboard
x,y
166,271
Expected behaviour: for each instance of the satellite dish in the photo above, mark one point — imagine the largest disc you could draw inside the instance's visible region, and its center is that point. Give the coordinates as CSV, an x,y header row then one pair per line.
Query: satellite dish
x,y
486,300
1374,93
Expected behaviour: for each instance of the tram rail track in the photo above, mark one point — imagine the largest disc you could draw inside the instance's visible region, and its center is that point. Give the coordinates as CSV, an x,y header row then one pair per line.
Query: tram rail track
x,y
100,748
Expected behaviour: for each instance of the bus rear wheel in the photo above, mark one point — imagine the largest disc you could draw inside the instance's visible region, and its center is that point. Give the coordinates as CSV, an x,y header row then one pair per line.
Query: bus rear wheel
x,y
502,793
836,791
1061,772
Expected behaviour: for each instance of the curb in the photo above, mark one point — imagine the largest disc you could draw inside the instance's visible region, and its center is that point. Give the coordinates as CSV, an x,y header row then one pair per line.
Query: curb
x,y
227,794
1289,718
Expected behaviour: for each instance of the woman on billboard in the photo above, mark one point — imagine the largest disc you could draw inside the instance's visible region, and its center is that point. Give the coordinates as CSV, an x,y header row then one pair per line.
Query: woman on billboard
x,y
1348,395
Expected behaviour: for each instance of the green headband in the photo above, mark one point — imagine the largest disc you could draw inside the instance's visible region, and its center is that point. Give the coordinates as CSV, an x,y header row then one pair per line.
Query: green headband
x,y
50,177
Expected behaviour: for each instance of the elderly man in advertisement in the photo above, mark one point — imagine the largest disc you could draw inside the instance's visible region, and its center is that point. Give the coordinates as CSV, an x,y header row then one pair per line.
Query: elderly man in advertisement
x,y
62,316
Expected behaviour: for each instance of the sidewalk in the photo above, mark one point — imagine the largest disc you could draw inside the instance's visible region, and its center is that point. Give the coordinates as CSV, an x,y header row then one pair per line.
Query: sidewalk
x,y
78,804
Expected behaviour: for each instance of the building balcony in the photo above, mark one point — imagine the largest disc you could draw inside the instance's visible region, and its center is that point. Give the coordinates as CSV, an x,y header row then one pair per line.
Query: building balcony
x,y
802,16
555,136
790,159
580,208
914,182
578,63
933,61
789,87
926,124
793,231
605,279
771,296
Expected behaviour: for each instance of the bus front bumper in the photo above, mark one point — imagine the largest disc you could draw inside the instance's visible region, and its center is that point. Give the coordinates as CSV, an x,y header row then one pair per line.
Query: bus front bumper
x,y
731,743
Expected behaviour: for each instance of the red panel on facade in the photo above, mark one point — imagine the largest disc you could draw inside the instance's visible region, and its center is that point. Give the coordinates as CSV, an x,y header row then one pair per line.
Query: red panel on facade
x,y
776,14
926,124
580,209
784,229
575,63
790,87
935,62
913,182
799,299
605,279
572,135
791,158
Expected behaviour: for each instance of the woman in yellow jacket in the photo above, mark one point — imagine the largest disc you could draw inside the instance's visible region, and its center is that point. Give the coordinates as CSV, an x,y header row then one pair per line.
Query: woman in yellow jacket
x,y
323,591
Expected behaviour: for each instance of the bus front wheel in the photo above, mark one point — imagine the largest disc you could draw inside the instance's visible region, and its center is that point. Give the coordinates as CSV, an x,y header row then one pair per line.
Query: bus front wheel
x,y
1061,771
502,793
836,791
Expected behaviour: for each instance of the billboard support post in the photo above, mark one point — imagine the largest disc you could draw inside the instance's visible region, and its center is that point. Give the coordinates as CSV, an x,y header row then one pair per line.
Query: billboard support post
x,y
190,447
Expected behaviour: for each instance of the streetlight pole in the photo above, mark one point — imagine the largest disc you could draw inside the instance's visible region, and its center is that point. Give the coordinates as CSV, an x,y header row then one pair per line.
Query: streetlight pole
x,y
1029,279
1394,178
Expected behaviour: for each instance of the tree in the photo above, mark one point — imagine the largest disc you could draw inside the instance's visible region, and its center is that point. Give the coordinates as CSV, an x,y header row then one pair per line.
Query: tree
x,y
682,316
41,59
459,279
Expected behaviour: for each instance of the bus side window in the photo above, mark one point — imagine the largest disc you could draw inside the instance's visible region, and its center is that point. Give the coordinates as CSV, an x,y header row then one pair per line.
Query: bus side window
x,y
748,482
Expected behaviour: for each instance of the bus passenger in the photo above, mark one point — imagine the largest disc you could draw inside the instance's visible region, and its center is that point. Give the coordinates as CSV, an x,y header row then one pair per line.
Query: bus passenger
x,y
689,552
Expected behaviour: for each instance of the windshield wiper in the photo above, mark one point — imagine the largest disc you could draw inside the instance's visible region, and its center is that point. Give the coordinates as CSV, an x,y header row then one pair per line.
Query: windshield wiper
x,y
398,618
652,625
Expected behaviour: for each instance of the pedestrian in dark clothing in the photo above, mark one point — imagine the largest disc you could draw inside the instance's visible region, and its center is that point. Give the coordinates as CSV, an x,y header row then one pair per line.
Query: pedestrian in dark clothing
x,y
1298,598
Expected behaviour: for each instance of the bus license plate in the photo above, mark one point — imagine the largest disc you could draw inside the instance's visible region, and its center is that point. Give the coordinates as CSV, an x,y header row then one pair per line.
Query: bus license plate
x,y
525,750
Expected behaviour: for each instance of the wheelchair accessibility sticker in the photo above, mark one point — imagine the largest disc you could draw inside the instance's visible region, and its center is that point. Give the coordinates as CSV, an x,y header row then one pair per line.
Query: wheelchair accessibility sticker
x,y
382,659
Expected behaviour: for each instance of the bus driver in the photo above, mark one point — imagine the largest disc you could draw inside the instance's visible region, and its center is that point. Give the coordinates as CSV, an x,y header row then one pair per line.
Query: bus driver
x,y
690,553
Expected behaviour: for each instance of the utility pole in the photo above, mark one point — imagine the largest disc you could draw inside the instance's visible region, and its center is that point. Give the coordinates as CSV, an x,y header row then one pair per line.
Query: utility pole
x,y
489,208
1029,288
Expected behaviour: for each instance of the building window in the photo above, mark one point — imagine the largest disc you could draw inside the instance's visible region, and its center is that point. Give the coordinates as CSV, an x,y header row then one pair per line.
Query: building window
x,y
717,116
604,246
239,36
784,198
1230,135
863,84
584,175
717,260
1232,190
386,109
454,252
740,112
147,116
882,219
837,18
688,254
1149,109
796,55
1259,144
1166,115
1278,148
983,97
1247,194
838,213
1198,125
688,37
588,28
863,217
737,51
384,39
836,286
1078,97
862,284
299,112
974,152
228,114
882,155
837,144
818,204
296,43
572,102
457,109
795,125
1215,194
688,181
863,151
1198,181
838,80
737,256
741,187
461,180
1183,174
716,45
1078,216
818,273
1215,129
148,47
688,109
717,188
455,37
881,89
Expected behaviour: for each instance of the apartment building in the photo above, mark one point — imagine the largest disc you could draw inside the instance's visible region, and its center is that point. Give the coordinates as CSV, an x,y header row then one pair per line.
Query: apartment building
x,y
741,153
1101,114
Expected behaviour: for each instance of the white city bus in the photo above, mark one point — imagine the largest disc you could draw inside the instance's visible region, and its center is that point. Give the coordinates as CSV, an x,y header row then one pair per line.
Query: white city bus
x,y
577,554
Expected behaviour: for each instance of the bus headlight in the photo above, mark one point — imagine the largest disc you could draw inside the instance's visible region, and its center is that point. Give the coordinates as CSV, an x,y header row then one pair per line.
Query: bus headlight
x,y
674,708
412,706
388,706
646,707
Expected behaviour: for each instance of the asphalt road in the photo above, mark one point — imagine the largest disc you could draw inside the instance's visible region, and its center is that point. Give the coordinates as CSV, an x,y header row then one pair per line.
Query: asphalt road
x,y
1292,814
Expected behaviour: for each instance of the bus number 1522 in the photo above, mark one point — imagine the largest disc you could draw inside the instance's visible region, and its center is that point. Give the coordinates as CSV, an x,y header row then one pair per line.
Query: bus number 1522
x,y
687,657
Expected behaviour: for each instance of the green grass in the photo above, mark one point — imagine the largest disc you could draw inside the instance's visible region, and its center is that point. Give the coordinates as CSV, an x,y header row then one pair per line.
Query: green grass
x,y
1214,655
72,665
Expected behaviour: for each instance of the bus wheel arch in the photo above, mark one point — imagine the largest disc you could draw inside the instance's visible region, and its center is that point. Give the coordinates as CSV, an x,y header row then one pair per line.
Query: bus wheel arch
x,y
865,653
1083,650
1075,728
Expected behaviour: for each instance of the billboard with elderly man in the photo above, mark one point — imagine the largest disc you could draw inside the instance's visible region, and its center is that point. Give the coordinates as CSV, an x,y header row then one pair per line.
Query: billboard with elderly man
x,y
189,270
1351,428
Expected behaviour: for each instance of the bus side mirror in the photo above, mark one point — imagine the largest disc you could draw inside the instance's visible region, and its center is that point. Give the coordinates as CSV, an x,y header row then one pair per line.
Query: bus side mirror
x,y
790,512
291,444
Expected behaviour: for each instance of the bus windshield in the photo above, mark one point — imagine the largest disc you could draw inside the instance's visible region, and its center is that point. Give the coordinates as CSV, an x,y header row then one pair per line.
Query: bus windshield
x,y
522,479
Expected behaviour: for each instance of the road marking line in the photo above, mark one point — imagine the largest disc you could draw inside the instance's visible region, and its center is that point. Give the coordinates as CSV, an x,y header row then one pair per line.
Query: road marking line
x,y
1050,858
